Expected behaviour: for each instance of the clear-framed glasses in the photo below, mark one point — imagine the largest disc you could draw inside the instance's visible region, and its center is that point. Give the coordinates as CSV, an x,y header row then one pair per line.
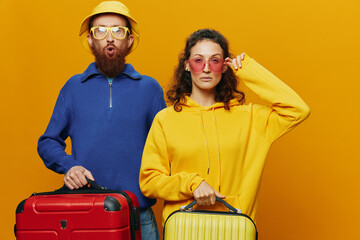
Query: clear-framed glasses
x,y
198,64
118,32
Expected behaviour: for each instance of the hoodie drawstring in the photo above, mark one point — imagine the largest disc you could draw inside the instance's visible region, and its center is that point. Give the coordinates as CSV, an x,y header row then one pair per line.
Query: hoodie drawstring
x,y
206,141
207,146
218,144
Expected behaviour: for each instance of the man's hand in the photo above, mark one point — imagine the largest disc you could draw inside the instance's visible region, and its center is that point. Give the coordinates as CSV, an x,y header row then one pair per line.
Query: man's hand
x,y
75,177
205,195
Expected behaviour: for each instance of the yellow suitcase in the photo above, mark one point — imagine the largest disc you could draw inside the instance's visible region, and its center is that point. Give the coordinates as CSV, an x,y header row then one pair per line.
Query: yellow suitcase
x,y
189,224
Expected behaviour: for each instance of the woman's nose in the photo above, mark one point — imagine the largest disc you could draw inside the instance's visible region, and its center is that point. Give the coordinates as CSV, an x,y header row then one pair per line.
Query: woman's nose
x,y
206,67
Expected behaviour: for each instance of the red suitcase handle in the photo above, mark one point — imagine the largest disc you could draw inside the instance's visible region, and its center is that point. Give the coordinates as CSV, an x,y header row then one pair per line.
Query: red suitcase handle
x,y
92,183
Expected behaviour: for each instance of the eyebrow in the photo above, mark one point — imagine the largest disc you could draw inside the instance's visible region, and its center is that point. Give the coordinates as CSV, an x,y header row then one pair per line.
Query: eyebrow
x,y
216,54
102,25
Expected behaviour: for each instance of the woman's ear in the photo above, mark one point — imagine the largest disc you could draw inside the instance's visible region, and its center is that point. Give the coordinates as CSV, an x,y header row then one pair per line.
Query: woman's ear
x,y
187,66
225,67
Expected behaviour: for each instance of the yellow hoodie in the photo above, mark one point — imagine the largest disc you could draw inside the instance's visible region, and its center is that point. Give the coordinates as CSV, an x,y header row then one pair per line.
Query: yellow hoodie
x,y
226,148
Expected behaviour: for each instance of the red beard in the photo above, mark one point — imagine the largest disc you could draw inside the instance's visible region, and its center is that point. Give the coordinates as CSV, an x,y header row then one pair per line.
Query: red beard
x,y
110,66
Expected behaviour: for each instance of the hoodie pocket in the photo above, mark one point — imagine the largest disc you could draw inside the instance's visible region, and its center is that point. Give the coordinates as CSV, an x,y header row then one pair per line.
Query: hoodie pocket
x,y
233,201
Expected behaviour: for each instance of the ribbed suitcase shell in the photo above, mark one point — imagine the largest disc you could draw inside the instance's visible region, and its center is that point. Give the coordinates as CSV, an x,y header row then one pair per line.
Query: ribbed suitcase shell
x,y
206,225
93,215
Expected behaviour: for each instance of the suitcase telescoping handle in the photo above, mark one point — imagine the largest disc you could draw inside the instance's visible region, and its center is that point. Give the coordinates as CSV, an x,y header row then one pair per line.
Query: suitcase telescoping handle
x,y
189,207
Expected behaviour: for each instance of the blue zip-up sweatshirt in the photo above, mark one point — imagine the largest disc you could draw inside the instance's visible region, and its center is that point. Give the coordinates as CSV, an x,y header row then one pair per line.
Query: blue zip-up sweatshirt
x,y
108,125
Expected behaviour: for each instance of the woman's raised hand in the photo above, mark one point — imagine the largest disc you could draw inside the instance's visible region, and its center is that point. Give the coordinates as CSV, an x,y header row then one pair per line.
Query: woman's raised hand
x,y
206,195
235,62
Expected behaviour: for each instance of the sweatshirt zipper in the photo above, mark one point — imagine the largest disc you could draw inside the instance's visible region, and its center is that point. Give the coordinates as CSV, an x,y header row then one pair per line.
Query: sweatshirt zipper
x,y
110,86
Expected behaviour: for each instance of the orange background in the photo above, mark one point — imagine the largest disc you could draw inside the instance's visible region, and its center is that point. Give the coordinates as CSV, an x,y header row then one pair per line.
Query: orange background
x,y
310,186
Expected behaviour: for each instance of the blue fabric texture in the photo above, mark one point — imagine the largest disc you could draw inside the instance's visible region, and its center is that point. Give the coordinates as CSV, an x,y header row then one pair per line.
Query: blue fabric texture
x,y
106,140
149,229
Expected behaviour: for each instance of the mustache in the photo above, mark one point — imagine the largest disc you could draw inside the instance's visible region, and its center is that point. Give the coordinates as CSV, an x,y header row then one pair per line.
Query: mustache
x,y
110,45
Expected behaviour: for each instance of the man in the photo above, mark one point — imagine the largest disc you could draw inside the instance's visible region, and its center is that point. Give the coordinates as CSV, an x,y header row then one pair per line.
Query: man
x,y
107,112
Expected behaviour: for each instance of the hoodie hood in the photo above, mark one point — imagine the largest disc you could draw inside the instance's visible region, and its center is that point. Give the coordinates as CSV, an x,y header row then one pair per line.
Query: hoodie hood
x,y
191,105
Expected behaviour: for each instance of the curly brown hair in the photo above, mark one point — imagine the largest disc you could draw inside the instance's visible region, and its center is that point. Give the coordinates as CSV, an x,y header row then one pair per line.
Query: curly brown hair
x,y
182,83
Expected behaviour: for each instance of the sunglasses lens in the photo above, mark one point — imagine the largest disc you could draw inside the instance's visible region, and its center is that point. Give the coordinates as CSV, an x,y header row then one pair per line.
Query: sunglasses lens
x,y
216,64
198,64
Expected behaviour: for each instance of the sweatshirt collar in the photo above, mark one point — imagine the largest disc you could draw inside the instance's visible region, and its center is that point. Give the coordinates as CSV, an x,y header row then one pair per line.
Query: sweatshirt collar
x,y
92,70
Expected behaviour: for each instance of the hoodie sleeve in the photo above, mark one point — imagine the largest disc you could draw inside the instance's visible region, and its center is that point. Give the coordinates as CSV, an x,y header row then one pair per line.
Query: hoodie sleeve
x,y
51,145
286,109
156,180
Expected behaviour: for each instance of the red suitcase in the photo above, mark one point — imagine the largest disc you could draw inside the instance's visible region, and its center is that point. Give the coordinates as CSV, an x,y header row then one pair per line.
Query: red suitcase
x,y
83,214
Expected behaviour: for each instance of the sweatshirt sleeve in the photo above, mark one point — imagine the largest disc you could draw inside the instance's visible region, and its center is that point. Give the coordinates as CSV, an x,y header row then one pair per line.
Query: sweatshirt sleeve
x,y
286,109
157,104
156,180
51,145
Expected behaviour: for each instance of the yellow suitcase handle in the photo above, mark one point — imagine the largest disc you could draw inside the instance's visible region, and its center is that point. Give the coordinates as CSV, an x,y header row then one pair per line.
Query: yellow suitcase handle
x,y
190,206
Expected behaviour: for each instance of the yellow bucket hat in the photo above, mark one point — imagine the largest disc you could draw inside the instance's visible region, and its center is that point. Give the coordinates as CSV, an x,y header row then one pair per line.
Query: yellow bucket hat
x,y
109,7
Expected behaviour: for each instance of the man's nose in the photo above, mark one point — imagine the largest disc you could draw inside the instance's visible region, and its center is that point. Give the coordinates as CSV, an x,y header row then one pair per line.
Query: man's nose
x,y
109,37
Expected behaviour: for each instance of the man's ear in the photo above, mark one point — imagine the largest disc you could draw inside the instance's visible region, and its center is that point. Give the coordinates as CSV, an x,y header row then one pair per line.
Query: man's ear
x,y
90,40
130,40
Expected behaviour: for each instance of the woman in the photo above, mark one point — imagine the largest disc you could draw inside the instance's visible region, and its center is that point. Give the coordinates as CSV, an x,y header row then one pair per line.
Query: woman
x,y
209,143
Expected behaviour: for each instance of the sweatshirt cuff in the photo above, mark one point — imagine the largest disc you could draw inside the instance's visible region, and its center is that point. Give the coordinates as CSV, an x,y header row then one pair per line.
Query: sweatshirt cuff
x,y
195,183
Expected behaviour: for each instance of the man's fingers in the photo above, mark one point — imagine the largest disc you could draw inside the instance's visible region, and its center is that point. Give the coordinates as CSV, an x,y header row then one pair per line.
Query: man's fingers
x,y
78,177
69,183
69,186
73,181
82,179
88,174
75,177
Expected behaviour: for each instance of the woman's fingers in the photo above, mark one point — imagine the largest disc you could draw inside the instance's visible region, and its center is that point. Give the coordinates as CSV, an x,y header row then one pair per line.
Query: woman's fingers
x,y
242,56
205,195
228,61
236,62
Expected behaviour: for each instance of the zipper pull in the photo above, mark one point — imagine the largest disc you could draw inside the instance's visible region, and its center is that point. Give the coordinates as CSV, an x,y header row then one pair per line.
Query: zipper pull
x,y
110,85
